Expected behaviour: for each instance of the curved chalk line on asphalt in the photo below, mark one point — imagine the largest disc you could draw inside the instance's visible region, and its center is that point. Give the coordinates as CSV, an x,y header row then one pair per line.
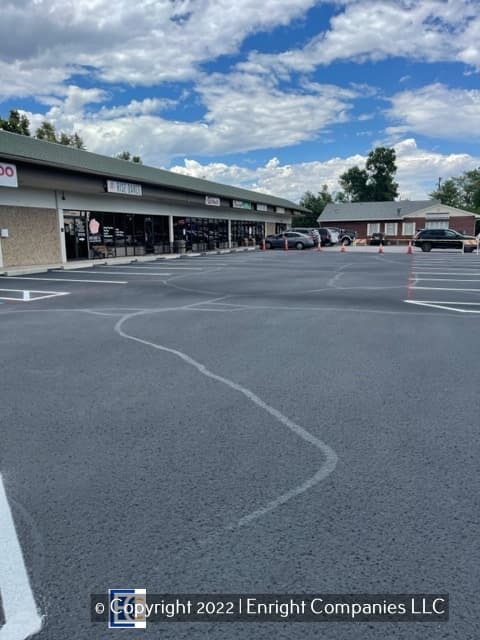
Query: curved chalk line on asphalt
x,y
330,457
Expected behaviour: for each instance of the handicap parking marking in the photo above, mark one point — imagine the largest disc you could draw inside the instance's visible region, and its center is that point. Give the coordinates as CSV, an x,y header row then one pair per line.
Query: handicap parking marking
x,y
40,279
30,295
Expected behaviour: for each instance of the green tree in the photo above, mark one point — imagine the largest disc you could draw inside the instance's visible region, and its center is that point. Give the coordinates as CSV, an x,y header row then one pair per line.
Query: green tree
x,y
48,132
374,183
448,193
16,123
354,183
126,155
381,169
316,204
461,191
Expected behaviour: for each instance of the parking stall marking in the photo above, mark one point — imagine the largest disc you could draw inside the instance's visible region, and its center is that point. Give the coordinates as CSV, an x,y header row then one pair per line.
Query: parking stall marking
x,y
40,279
447,306
124,273
19,607
30,295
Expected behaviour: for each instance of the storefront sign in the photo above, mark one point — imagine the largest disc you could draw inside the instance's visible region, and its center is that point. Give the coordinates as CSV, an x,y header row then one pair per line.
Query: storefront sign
x,y
212,202
8,175
93,226
279,210
241,204
262,207
126,188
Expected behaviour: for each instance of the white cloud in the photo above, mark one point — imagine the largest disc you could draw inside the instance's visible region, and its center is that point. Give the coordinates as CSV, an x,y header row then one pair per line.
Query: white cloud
x,y
418,172
437,111
430,30
141,43
243,113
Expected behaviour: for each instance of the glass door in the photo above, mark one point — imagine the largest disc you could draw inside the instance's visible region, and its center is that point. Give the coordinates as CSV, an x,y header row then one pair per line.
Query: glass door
x,y
76,243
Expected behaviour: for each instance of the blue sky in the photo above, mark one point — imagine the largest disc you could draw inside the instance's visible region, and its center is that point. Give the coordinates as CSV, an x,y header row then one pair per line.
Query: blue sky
x,y
280,96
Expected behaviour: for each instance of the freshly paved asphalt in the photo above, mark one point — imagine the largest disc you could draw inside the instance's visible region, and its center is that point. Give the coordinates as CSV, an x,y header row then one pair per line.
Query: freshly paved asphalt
x,y
128,464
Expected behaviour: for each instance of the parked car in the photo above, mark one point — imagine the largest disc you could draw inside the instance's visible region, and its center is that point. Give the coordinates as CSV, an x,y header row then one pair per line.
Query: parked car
x,y
428,239
345,236
378,238
309,231
327,236
295,240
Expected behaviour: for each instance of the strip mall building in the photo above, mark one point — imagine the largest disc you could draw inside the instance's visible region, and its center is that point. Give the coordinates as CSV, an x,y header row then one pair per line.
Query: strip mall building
x,y
59,204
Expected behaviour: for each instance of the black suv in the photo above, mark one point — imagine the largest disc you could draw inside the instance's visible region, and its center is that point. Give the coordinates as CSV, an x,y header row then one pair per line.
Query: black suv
x,y
429,239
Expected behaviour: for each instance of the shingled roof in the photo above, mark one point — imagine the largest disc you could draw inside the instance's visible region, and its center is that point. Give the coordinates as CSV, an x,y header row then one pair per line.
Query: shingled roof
x,y
352,211
15,147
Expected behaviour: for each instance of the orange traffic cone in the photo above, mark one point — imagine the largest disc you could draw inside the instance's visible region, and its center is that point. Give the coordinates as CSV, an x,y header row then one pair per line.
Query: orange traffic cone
x,y
285,246
343,248
410,248
264,246
380,248
319,245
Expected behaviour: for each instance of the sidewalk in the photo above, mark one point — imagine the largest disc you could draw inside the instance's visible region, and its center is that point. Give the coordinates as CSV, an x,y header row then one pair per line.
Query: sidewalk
x,y
84,264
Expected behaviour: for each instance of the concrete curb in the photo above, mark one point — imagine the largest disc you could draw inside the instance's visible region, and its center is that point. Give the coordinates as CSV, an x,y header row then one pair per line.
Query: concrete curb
x,y
86,264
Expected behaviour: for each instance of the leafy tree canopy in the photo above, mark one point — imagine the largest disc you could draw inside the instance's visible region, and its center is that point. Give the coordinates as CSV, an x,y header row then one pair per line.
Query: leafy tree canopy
x,y
126,155
16,123
374,183
461,191
316,204
47,132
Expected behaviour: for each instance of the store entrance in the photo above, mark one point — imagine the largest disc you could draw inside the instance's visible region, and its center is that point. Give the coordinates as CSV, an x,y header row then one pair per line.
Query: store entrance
x,y
76,242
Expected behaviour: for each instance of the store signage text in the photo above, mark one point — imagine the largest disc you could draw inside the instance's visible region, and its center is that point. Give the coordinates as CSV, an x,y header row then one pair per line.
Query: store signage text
x,y
212,202
241,204
8,175
262,207
126,188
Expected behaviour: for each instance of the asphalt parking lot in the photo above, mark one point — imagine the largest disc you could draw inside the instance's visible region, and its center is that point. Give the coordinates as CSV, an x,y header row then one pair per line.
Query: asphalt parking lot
x,y
261,422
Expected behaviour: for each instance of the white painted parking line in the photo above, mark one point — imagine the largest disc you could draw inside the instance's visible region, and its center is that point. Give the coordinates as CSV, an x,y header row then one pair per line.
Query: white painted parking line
x,y
173,267
452,272
442,289
445,280
447,306
64,280
20,611
30,295
125,273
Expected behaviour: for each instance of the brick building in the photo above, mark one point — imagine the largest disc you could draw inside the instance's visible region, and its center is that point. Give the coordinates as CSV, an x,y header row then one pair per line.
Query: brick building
x,y
398,219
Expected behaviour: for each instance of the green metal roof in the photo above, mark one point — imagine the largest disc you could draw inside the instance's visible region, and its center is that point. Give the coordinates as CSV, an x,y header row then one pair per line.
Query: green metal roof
x,y
17,147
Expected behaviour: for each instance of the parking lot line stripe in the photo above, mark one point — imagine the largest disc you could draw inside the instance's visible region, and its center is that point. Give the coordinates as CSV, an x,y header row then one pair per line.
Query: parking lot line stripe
x,y
442,289
173,267
446,280
125,273
447,302
28,298
65,280
21,616
434,305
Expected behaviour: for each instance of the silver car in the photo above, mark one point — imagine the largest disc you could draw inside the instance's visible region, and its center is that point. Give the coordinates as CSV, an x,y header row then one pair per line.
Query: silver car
x,y
294,239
